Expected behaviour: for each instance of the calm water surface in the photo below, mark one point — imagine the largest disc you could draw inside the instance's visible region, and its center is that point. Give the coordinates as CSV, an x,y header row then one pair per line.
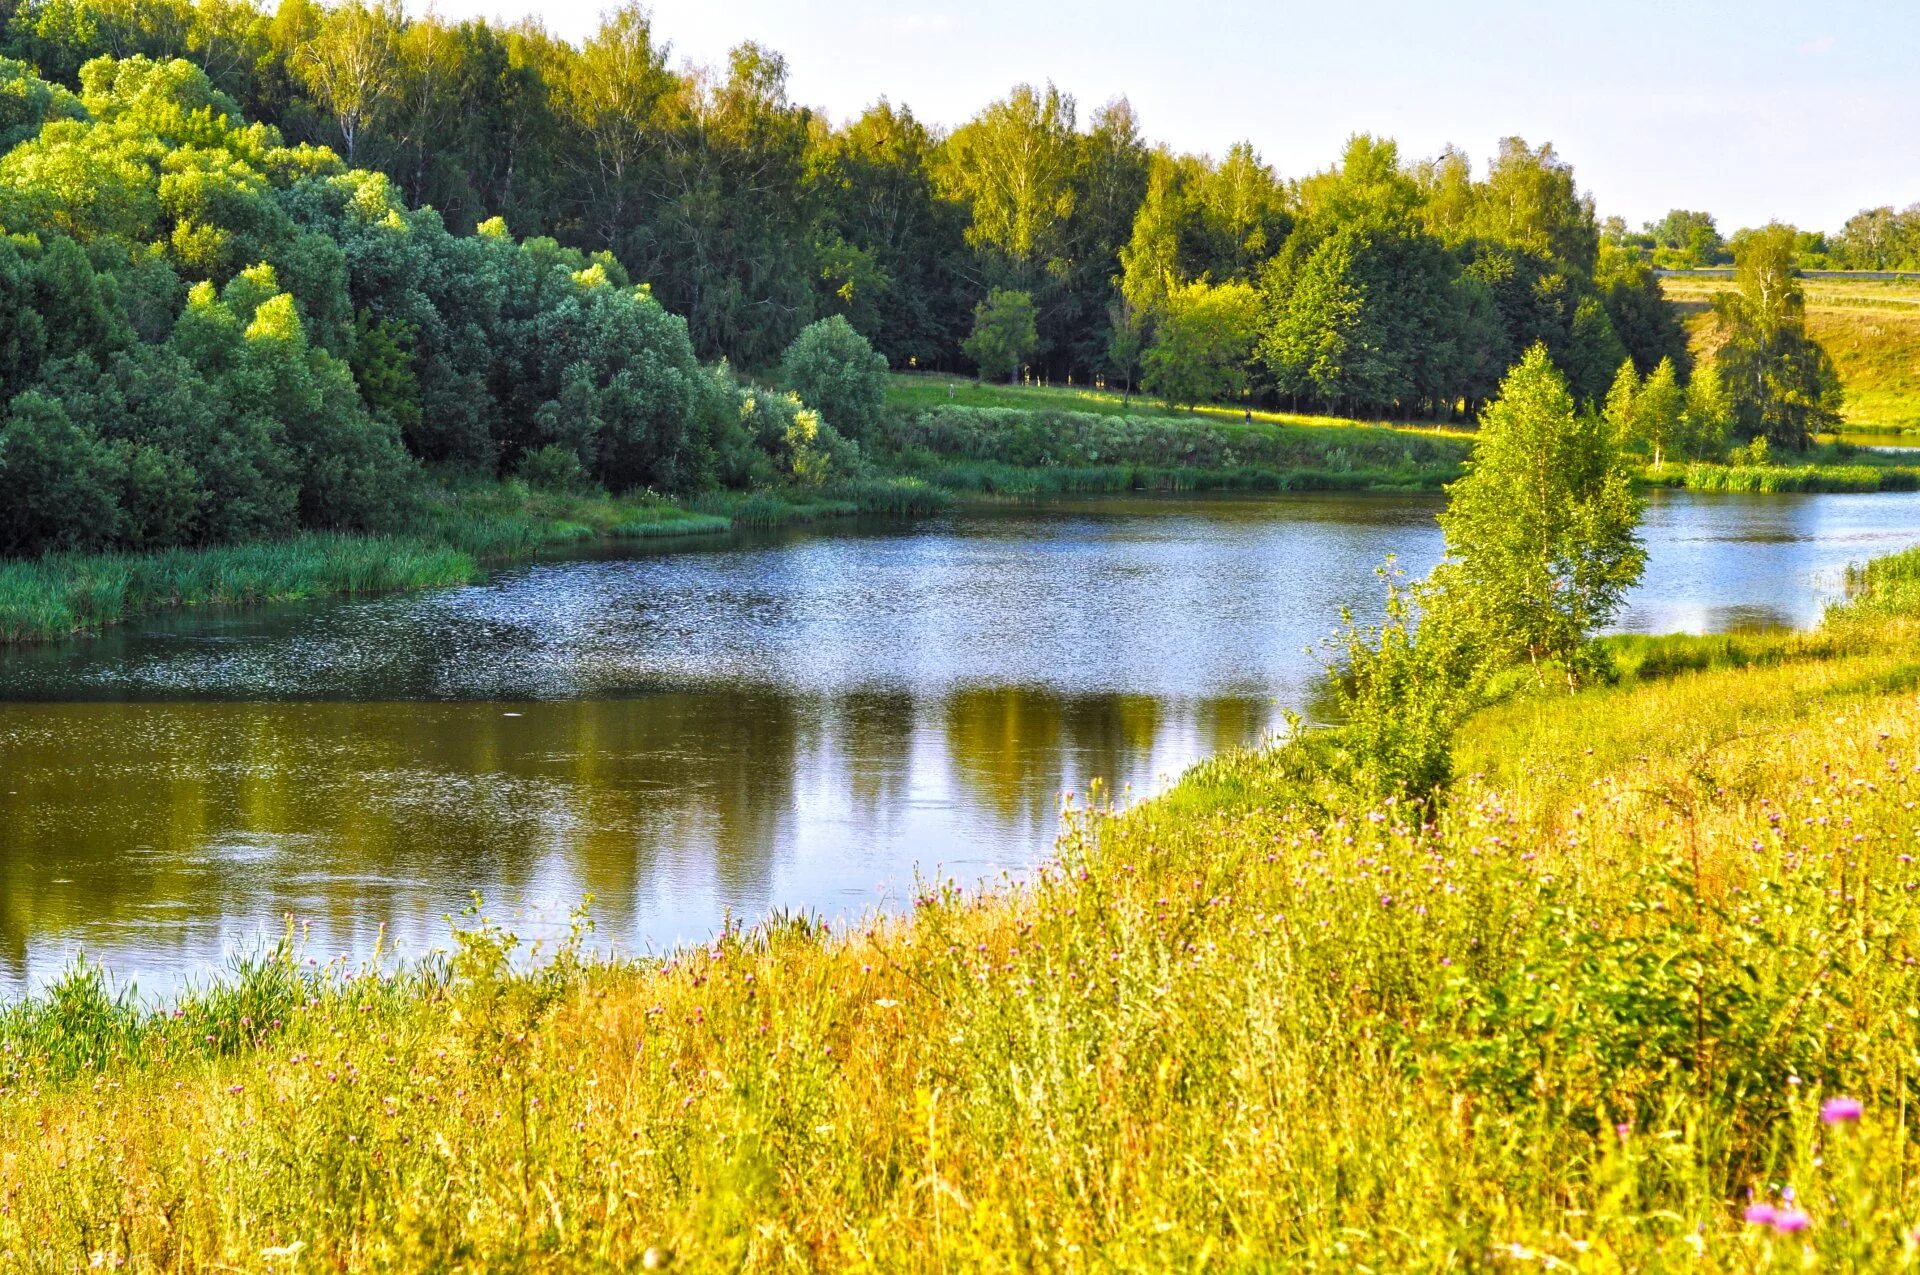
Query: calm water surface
x,y
798,720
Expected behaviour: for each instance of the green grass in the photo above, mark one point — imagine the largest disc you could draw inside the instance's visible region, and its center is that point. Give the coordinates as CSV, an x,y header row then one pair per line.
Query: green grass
x,y
64,594
1030,450
456,531
914,392
1784,478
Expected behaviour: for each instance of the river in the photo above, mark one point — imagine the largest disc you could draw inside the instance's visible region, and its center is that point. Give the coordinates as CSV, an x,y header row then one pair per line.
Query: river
x,y
805,720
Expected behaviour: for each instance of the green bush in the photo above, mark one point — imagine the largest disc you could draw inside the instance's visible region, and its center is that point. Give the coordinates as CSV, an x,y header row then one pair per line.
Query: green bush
x,y
552,468
834,371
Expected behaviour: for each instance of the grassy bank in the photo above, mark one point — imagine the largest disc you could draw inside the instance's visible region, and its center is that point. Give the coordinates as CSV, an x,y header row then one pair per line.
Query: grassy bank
x,y
1584,1016
1040,448
1789,477
453,535
454,532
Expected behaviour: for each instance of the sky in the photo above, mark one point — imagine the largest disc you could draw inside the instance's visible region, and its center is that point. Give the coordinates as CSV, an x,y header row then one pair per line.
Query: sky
x,y
1752,111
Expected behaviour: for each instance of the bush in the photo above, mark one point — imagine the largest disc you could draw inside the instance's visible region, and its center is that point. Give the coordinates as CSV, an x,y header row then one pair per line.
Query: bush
x,y
552,468
1404,686
833,369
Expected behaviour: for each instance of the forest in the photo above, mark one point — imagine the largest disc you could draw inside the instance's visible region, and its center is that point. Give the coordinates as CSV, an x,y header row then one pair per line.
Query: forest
x,y
263,268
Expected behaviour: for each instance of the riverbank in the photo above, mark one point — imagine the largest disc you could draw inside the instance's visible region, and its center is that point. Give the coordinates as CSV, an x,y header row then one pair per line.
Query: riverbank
x,y
451,538
1592,1011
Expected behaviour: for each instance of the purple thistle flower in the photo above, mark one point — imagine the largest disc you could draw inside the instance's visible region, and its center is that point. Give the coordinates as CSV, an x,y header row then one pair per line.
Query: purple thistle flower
x,y
1760,1214
1840,1111
1789,1221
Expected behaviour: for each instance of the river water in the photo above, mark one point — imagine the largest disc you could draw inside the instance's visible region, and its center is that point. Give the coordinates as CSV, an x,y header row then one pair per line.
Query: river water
x,y
800,720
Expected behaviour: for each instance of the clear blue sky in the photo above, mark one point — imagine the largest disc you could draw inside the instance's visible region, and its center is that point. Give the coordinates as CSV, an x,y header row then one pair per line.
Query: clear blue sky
x,y
1804,112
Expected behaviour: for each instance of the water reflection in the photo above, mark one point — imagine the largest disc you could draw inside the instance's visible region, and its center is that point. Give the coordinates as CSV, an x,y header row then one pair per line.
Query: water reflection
x,y
157,835
794,720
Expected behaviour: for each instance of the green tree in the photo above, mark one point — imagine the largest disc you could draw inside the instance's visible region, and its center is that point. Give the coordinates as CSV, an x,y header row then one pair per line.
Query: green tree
x,y
1012,167
1707,416
834,371
60,480
1780,383
352,67
1541,533
1659,412
1204,344
1004,333
1647,324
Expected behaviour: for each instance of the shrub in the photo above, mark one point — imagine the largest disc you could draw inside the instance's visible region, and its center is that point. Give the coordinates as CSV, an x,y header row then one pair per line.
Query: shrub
x,y
553,468
833,369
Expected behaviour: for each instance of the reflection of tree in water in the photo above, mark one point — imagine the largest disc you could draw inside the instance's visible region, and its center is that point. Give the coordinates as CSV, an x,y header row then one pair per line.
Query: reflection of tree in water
x,y
115,816
875,731
1016,750
168,828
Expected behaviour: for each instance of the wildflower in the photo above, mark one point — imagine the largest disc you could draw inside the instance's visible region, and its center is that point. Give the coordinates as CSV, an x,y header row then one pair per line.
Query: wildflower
x,y
1761,1214
1840,1111
1790,1221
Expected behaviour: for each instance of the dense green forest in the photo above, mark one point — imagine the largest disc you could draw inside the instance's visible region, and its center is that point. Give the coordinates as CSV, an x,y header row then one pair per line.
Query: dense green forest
x,y
262,268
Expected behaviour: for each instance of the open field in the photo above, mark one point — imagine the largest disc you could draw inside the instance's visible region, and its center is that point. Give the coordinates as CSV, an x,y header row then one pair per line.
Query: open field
x,y
1872,329
1585,1016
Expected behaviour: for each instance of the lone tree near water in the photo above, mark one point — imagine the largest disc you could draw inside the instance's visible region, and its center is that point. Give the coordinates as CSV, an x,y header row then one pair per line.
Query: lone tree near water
x,y
1780,383
1004,334
1541,533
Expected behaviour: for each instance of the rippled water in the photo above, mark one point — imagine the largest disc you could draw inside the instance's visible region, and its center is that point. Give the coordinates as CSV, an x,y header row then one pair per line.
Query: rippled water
x,y
800,720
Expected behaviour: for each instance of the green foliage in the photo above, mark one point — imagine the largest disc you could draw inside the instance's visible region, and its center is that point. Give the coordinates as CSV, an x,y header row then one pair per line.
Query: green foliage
x,y
60,480
1203,343
552,468
1780,383
1003,333
1541,532
1404,686
382,365
836,372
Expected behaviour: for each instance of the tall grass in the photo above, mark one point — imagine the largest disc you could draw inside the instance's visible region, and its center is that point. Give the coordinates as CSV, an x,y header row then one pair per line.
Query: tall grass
x,y
456,532
66,593
1785,478
1584,1014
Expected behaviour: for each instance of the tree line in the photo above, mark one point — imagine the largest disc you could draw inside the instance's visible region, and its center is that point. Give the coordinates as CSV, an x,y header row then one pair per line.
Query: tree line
x,y
751,216
210,333
261,267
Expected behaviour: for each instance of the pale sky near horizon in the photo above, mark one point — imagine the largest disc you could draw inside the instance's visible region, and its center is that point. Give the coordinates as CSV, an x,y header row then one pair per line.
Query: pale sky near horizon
x,y
1751,111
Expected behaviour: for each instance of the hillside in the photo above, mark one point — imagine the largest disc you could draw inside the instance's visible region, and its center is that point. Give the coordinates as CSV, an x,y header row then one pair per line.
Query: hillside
x,y
1871,327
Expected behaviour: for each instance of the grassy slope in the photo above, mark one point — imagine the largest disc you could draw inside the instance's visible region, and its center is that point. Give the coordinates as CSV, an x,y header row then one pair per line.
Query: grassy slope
x,y
1871,328
1036,439
1581,1016
918,391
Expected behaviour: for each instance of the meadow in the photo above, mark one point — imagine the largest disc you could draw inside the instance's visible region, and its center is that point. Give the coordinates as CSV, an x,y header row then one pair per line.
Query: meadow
x,y
1637,992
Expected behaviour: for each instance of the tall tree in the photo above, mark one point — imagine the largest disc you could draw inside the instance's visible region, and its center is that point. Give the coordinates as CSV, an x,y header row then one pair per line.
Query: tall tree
x,y
1780,383
1012,167
352,66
